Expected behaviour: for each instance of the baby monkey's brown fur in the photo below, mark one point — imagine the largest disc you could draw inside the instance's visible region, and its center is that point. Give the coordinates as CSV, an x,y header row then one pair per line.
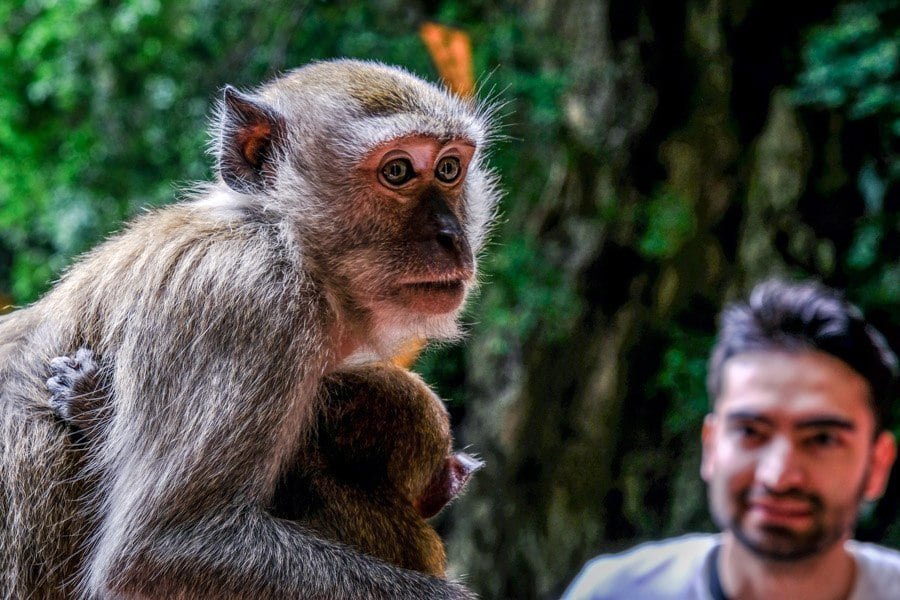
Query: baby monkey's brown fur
x,y
379,465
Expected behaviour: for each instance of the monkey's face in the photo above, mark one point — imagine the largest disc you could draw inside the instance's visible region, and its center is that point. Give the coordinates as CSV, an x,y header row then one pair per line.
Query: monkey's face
x,y
417,182
404,261
381,176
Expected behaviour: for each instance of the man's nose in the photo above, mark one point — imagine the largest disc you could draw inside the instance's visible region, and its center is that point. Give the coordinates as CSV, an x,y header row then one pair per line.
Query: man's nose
x,y
781,468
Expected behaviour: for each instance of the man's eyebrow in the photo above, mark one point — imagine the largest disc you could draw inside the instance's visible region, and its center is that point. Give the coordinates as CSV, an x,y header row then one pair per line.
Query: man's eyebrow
x,y
816,422
743,415
826,422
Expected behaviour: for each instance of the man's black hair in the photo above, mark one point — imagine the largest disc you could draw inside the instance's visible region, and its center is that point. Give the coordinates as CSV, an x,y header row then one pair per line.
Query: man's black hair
x,y
798,316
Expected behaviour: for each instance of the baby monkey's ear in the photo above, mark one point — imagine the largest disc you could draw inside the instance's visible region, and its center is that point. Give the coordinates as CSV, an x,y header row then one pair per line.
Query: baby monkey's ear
x,y
251,138
447,483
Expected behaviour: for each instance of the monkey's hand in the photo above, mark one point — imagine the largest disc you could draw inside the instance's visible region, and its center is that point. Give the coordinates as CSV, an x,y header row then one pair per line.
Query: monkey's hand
x,y
75,390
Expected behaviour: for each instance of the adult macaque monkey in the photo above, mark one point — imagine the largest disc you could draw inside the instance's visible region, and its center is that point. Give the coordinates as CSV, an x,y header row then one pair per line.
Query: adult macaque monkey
x,y
351,202
377,465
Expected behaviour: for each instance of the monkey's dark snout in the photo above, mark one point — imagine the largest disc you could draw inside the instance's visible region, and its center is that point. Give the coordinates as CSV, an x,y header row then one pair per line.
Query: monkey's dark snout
x,y
444,227
449,234
447,483
450,238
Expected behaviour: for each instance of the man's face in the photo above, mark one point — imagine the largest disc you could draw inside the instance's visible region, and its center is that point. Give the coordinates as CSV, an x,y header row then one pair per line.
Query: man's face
x,y
789,454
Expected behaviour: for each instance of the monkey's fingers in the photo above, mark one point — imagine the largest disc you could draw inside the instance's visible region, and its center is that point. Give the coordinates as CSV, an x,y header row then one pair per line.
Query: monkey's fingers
x,y
85,358
61,396
78,373
72,378
64,364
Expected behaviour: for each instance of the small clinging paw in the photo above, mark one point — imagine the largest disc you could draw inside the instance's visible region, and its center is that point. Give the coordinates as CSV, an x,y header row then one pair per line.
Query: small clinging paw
x,y
73,386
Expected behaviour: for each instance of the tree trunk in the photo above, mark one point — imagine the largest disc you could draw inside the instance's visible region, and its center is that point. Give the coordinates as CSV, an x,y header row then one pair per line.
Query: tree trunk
x,y
677,182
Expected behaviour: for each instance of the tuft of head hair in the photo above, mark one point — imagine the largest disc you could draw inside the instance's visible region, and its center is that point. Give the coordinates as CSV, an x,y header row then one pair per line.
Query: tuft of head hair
x,y
805,316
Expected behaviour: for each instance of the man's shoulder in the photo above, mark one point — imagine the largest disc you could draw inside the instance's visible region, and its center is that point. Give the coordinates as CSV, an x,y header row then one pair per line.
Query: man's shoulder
x,y
652,569
878,570
879,555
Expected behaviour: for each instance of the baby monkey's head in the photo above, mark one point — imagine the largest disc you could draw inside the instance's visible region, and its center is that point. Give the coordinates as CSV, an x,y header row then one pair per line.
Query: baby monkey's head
x,y
383,424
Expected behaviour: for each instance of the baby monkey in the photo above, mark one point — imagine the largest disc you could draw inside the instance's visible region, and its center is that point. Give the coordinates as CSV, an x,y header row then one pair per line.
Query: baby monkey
x,y
378,464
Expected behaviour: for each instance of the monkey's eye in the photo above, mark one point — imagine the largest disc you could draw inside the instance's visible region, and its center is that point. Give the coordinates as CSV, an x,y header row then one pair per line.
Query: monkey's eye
x,y
397,171
448,169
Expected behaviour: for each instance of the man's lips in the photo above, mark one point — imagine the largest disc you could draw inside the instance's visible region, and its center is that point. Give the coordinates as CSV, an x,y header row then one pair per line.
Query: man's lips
x,y
781,510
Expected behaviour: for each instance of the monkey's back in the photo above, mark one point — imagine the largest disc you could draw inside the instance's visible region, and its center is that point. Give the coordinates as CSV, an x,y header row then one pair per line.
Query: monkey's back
x,y
50,498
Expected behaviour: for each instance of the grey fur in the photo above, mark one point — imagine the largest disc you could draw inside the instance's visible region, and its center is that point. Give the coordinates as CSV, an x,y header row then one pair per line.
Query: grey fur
x,y
214,320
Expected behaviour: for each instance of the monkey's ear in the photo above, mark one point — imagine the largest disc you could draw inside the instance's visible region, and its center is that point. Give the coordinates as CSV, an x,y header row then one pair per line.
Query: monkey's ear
x,y
446,484
251,138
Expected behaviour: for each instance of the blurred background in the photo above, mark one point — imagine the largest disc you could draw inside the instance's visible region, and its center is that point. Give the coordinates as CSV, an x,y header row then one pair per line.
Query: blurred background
x,y
658,157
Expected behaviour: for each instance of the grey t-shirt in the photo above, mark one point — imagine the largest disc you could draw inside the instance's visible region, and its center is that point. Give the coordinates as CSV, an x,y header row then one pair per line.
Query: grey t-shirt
x,y
679,569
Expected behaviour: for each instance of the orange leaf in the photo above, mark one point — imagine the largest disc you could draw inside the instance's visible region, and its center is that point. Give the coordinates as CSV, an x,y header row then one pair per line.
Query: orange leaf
x,y
451,50
409,353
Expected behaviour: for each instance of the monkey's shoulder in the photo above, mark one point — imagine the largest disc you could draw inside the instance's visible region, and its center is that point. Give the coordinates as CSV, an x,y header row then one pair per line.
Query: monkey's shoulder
x,y
180,264
212,219
184,241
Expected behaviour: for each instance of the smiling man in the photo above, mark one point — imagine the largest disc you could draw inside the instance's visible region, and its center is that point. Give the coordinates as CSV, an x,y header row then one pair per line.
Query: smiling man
x,y
795,443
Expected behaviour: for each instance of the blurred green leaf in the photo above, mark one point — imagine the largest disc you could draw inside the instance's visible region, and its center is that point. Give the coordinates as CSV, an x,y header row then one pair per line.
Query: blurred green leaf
x,y
669,221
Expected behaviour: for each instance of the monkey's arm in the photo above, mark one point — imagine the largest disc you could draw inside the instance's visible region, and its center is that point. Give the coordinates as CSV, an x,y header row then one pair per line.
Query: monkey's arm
x,y
212,382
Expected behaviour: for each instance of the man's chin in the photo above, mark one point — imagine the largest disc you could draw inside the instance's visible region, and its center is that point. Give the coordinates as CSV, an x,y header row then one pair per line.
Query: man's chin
x,y
782,544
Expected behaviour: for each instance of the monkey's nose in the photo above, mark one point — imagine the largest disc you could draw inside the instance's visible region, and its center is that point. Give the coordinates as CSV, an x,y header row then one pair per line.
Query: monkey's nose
x,y
449,241
449,233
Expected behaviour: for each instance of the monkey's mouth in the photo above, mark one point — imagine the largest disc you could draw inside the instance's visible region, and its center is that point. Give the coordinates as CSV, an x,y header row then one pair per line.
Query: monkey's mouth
x,y
433,297
436,287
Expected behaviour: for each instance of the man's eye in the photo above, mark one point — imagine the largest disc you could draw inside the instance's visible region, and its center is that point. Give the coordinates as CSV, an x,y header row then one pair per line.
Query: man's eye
x,y
747,432
397,171
823,440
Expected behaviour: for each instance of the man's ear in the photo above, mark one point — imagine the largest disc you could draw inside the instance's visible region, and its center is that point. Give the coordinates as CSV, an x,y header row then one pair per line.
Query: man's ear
x,y
884,452
252,136
708,436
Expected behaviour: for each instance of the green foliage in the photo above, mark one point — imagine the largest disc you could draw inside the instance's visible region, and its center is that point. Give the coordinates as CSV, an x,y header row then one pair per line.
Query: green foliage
x,y
444,369
854,63
526,294
864,251
852,67
668,221
683,379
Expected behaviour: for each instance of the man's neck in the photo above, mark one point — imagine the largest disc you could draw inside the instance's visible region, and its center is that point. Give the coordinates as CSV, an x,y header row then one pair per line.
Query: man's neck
x,y
745,576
